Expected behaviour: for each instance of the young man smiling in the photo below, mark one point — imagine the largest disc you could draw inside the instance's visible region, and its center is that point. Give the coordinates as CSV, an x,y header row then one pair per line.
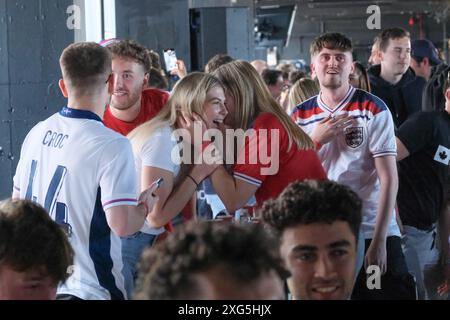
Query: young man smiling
x,y
393,80
318,224
354,133
131,103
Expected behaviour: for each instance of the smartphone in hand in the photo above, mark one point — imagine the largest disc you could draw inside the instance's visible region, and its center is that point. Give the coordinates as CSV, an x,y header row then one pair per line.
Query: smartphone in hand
x,y
159,182
170,59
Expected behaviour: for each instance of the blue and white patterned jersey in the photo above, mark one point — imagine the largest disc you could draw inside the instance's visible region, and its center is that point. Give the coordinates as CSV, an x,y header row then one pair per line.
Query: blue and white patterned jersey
x,y
349,157
77,169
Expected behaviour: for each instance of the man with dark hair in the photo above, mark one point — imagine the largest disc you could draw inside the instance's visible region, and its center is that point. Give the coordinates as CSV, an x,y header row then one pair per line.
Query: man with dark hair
x,y
274,81
354,134
35,254
423,143
132,103
215,261
318,225
217,61
84,176
424,56
393,80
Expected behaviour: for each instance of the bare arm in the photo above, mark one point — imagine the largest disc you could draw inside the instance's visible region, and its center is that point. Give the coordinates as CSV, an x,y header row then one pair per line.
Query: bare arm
x,y
172,201
402,151
126,220
234,193
387,173
15,195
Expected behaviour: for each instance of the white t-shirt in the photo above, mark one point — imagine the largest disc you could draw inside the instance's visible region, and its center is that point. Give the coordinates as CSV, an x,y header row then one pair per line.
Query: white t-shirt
x,y
158,151
349,158
77,169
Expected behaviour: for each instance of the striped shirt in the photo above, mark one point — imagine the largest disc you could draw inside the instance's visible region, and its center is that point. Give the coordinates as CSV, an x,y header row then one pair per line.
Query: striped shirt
x,y
349,158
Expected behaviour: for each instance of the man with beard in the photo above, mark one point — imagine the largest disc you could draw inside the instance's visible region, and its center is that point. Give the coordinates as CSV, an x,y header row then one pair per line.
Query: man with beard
x,y
354,135
131,103
393,80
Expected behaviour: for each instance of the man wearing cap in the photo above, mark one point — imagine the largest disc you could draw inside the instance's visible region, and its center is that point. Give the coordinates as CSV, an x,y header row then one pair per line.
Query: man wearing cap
x,y
393,80
423,57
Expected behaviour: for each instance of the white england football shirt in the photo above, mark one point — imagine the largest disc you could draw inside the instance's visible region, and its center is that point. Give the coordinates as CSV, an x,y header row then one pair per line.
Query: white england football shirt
x,y
349,158
77,168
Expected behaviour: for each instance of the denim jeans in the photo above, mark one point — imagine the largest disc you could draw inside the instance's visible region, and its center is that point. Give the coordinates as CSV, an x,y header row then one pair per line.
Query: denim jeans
x,y
132,248
419,250
360,253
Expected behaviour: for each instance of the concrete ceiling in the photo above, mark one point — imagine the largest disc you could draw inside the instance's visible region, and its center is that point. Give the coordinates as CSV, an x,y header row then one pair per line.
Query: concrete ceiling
x,y
352,9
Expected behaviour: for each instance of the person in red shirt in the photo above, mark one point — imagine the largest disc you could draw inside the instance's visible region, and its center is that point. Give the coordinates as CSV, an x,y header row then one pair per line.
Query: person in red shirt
x,y
131,102
275,137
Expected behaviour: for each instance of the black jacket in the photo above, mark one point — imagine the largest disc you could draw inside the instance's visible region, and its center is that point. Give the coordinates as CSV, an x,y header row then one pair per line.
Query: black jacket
x,y
403,98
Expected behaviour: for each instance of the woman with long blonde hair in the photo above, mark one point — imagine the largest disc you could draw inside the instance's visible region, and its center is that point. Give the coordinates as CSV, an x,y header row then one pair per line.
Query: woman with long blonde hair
x,y
157,148
274,135
301,91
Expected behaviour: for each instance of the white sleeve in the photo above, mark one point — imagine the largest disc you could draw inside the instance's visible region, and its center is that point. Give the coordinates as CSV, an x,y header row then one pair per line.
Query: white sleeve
x,y
157,151
20,170
118,175
382,135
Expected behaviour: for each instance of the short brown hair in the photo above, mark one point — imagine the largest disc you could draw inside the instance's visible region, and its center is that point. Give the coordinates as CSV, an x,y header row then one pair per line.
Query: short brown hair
x,y
312,201
391,33
334,41
85,66
30,239
217,61
155,60
246,251
130,49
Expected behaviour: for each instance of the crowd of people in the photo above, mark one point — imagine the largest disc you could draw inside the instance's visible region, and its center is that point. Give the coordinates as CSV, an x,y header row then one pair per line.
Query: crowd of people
x,y
332,175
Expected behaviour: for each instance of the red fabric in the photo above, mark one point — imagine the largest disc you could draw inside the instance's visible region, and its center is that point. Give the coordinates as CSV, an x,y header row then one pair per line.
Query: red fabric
x,y
292,165
152,101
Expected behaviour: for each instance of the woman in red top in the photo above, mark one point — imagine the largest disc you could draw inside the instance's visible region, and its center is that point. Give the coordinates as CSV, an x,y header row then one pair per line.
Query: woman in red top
x,y
275,153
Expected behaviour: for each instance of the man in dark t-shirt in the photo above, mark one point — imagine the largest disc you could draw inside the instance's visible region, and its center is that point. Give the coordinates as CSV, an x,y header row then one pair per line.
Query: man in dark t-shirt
x,y
423,143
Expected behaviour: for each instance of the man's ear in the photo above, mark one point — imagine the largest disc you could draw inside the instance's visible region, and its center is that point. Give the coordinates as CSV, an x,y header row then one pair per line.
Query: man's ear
x,y
380,55
111,85
63,88
447,94
146,79
312,67
426,61
352,70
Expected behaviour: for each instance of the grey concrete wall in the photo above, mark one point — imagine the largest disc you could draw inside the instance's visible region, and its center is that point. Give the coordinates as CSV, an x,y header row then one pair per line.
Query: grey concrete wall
x,y
32,37
157,24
